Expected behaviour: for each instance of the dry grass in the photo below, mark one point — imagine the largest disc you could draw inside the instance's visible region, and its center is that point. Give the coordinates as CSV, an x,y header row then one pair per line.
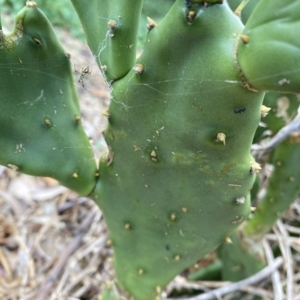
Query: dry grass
x,y
52,245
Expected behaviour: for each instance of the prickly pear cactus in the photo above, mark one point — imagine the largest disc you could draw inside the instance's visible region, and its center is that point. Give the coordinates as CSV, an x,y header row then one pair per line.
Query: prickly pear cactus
x,y
181,124
182,117
41,133
267,32
245,256
284,183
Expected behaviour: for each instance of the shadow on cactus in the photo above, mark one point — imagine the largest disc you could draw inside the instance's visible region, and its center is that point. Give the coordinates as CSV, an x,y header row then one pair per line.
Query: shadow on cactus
x,y
177,179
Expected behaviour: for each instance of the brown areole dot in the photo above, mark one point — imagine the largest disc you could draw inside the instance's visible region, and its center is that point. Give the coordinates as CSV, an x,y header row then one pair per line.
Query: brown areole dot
x,y
245,39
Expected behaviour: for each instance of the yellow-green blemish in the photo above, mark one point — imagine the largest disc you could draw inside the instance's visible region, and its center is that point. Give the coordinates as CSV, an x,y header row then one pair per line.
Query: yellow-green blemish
x,y
226,169
136,148
120,135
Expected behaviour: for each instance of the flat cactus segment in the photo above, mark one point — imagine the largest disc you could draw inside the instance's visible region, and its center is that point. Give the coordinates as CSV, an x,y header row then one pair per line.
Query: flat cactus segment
x,y
241,258
40,132
169,190
284,182
283,189
110,293
246,255
210,272
270,56
111,28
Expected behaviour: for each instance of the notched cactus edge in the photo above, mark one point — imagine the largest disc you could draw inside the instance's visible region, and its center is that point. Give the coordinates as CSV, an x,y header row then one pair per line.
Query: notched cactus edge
x,y
41,133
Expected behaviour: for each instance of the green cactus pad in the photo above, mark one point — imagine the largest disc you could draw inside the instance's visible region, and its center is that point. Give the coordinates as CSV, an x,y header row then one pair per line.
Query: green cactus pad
x,y
40,131
245,256
241,258
284,182
177,179
111,33
269,49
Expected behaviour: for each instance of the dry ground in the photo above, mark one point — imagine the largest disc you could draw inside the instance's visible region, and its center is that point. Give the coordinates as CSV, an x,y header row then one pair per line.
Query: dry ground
x,y
53,244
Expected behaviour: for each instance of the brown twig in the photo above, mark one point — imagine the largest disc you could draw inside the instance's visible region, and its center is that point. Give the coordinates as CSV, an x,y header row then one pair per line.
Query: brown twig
x,y
73,246
68,205
238,285
5,264
17,206
288,258
282,134
181,283
277,287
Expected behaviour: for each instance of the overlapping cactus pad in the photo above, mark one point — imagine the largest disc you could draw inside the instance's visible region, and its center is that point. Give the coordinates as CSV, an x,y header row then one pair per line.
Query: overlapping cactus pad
x,y
41,133
269,50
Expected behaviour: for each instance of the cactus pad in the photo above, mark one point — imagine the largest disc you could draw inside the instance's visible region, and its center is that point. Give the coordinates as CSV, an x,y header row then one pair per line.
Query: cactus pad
x,y
176,181
269,48
41,133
